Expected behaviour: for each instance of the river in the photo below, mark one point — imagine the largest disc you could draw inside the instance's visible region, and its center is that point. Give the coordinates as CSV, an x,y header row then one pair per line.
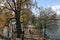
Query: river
x,y
56,34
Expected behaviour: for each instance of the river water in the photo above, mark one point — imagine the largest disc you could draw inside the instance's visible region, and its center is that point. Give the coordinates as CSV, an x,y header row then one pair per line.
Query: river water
x,y
56,34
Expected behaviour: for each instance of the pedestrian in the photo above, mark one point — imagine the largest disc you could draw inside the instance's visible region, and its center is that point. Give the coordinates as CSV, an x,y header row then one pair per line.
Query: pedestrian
x,y
29,31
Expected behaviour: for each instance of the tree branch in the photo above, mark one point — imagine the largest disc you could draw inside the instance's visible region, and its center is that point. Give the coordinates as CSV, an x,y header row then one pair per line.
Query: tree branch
x,y
5,8
14,4
10,6
23,1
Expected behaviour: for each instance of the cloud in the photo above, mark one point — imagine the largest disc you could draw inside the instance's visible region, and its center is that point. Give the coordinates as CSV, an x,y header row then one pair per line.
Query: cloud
x,y
56,8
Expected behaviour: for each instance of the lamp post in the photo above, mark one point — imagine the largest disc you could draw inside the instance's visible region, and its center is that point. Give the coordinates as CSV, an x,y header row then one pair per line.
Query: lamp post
x,y
13,27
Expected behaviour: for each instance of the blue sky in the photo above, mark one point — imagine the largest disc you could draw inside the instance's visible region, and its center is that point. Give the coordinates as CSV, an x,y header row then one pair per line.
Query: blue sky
x,y
46,3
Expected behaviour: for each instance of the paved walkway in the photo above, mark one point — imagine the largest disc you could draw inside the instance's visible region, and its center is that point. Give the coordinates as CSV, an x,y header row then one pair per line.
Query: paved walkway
x,y
33,34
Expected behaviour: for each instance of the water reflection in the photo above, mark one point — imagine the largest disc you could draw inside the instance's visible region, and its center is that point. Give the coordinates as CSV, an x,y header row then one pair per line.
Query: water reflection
x,y
55,34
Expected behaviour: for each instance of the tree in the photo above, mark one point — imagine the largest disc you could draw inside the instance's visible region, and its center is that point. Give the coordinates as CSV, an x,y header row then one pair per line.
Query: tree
x,y
5,17
51,20
47,20
25,16
16,6
34,19
49,15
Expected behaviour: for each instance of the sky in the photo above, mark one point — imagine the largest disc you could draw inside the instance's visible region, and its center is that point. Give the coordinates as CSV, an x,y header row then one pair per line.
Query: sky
x,y
46,3
54,4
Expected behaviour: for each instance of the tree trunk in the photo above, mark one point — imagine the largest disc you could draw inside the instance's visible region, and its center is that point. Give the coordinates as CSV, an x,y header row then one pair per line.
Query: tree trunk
x,y
45,29
18,24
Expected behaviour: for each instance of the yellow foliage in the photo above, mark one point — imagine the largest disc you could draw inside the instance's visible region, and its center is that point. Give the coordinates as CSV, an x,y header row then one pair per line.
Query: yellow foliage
x,y
9,14
0,0
4,19
25,16
21,18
